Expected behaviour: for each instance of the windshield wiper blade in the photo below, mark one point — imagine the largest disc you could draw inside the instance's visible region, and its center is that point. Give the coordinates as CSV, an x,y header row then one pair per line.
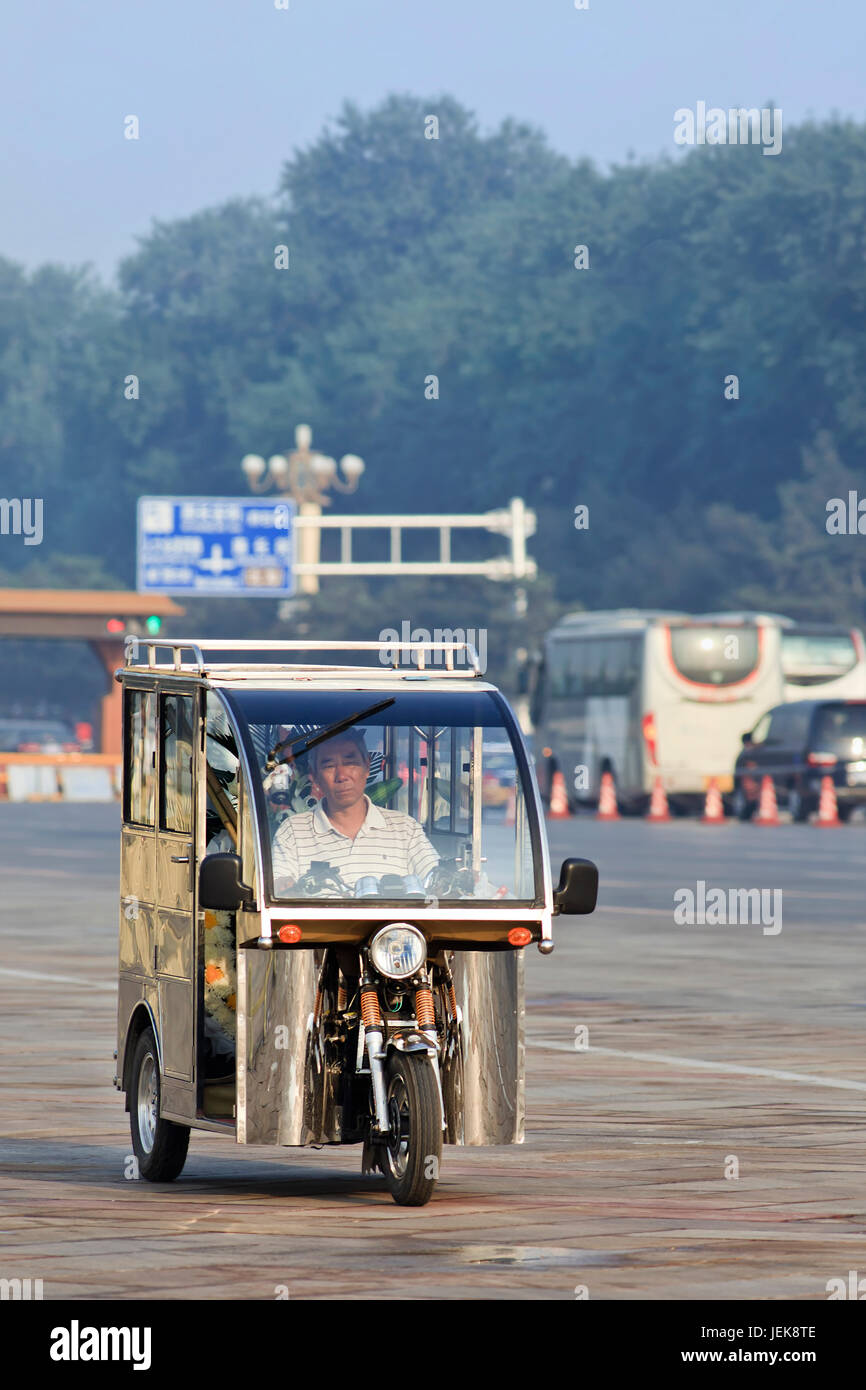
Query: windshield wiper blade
x,y
323,734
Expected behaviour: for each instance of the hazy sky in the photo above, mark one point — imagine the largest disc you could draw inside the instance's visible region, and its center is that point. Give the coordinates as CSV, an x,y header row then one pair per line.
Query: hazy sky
x,y
225,89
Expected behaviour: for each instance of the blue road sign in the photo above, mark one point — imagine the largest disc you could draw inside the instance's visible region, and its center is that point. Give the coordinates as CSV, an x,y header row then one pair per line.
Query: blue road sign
x,y
240,547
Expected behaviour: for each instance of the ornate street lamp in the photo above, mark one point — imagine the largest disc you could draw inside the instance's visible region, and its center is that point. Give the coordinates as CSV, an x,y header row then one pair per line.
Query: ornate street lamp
x,y
304,475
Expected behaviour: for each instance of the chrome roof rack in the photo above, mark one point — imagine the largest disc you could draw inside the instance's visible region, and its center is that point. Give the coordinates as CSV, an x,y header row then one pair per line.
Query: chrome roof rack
x,y
133,659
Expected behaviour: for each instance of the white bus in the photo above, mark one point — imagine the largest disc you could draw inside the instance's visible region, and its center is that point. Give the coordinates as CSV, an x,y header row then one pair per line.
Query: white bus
x,y
823,662
646,694
819,660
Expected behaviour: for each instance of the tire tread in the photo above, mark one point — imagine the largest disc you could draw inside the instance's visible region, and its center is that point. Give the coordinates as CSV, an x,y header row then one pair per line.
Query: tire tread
x,y
415,1188
166,1159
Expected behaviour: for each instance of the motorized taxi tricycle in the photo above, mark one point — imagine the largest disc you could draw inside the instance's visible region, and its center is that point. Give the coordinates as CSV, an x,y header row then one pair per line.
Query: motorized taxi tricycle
x,y
329,877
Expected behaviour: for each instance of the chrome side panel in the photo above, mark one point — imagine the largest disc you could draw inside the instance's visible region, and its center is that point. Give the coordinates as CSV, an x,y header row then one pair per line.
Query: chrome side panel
x,y
178,1101
284,1095
174,944
130,992
279,1085
137,867
174,882
490,993
135,948
176,1021
174,955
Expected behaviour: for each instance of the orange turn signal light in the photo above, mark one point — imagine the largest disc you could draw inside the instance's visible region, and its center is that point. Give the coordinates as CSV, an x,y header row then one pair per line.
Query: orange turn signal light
x,y
520,936
289,934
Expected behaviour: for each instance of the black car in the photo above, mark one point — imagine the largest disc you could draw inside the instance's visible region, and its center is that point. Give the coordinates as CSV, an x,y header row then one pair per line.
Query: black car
x,y
798,744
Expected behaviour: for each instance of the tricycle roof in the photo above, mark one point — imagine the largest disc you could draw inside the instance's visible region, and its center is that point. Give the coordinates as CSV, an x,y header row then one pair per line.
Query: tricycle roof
x,y
141,658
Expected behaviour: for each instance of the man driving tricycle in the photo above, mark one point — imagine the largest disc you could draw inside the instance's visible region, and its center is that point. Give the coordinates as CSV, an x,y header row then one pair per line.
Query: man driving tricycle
x,y
335,818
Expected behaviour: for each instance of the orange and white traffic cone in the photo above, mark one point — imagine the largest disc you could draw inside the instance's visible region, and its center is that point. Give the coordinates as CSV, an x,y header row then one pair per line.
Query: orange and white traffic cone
x,y
714,807
768,810
607,807
558,809
658,807
828,807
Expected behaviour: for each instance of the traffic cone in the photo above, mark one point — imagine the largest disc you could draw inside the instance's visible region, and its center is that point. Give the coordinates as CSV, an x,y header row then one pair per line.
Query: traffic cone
x,y
828,808
607,807
768,810
658,807
714,807
558,799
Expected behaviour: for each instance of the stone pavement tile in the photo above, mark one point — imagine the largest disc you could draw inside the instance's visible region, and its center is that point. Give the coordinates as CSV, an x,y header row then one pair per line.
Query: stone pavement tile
x,y
619,1186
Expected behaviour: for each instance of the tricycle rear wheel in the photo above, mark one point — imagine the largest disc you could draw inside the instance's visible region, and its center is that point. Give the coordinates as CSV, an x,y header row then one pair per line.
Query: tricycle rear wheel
x,y
411,1158
159,1145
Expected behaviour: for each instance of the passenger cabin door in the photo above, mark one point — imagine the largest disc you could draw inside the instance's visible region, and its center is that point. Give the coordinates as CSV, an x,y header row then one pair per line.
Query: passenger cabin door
x,y
174,937
138,857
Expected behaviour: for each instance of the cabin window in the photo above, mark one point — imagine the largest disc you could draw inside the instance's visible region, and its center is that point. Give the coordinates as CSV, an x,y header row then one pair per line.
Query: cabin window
x,y
221,770
139,758
177,737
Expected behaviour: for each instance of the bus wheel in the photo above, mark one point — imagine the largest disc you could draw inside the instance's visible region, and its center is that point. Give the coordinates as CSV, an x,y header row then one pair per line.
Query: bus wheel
x,y
159,1145
741,806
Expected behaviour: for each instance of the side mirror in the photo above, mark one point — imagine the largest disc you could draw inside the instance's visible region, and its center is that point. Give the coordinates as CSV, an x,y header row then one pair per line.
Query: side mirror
x,y
578,887
219,883
746,739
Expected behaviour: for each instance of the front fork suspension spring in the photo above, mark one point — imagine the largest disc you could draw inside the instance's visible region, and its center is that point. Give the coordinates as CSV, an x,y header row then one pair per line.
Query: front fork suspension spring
x,y
425,1013
370,1010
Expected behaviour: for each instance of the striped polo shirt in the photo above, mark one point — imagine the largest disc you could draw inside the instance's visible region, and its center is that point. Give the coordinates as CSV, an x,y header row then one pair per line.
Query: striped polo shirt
x,y
388,842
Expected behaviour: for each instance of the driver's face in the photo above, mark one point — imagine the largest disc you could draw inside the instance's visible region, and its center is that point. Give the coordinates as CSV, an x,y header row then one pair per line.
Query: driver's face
x,y
341,773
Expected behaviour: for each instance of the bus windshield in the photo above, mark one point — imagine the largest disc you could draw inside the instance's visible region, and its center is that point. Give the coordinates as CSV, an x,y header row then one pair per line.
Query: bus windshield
x,y
421,797
811,658
714,655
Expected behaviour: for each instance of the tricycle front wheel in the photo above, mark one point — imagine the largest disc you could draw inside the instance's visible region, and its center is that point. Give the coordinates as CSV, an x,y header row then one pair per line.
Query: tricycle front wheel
x,y
410,1160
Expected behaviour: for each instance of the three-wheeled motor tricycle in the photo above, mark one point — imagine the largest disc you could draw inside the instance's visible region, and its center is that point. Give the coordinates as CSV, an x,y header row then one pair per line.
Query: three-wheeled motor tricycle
x,y
329,876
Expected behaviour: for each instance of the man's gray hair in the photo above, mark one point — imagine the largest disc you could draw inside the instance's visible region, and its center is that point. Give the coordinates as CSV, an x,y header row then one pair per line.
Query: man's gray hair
x,y
355,736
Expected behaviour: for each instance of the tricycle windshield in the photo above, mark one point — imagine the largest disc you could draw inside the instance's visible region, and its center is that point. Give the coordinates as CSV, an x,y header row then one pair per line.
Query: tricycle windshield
x,y
378,797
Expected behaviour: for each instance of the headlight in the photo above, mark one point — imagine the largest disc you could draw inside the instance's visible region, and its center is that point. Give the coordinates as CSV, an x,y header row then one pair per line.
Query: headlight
x,y
398,951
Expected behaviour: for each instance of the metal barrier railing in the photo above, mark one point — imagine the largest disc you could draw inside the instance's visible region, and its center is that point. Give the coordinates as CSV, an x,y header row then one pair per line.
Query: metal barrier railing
x,y
62,790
